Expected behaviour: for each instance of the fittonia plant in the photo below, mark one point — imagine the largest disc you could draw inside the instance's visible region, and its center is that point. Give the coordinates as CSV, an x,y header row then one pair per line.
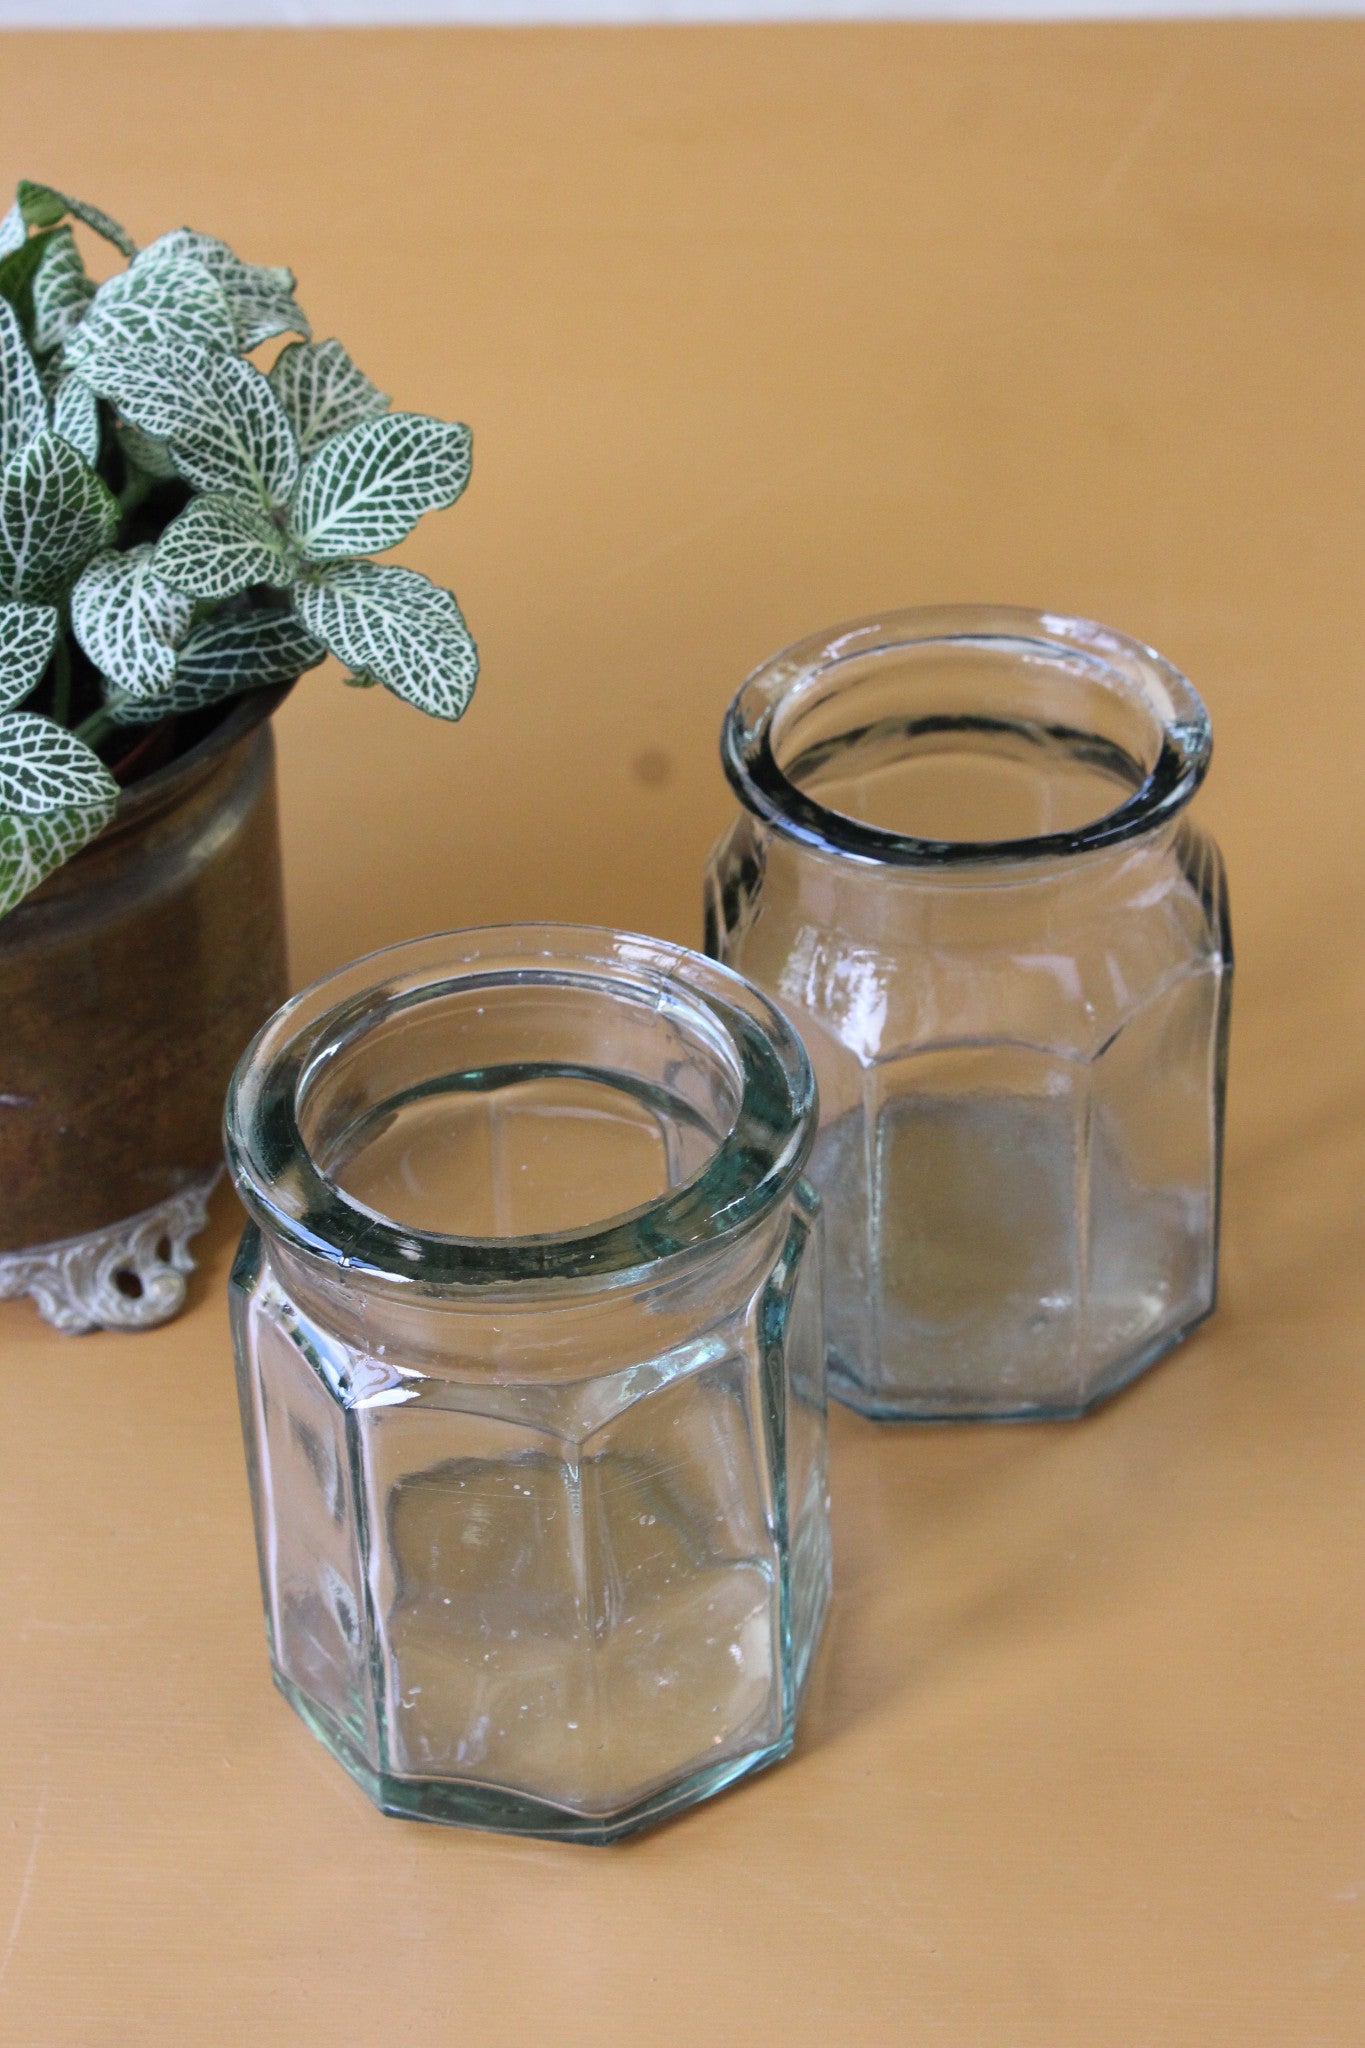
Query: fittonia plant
x,y
178,524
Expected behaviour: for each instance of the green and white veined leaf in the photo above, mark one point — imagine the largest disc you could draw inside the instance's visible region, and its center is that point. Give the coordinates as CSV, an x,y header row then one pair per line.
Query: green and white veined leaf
x,y
76,417
13,231
394,624
260,295
154,388
220,545
31,848
55,513
129,621
16,276
61,291
126,710
224,656
323,392
226,428
171,302
55,795
23,409
43,767
366,489
28,633
42,206
246,651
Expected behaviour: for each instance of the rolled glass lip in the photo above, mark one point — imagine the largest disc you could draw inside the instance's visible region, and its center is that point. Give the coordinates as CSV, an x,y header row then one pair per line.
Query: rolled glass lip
x,y
291,1196
1143,675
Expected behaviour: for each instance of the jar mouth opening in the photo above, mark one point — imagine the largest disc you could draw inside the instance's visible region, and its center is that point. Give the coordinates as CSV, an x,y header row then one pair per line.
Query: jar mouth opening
x,y
518,1104
966,736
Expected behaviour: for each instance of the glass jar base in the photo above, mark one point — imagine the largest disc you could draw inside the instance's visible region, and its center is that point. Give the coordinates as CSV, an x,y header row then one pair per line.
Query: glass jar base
x,y
879,1406
496,1809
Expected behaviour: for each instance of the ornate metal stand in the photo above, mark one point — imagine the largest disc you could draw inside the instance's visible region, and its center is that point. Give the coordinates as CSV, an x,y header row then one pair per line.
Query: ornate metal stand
x,y
127,1276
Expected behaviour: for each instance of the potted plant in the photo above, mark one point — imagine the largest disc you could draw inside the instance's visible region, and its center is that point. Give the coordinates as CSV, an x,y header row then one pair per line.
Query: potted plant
x,y
184,529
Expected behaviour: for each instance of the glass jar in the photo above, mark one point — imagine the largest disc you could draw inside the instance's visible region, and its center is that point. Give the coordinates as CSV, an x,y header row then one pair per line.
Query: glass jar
x,y
530,1347
965,871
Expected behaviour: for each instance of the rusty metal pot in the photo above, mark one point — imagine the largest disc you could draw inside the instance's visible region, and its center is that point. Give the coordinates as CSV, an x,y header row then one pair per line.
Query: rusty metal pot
x,y
129,984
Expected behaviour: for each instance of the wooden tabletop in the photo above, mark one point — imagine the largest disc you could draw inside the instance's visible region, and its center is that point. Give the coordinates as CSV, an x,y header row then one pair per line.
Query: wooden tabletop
x,y
759,329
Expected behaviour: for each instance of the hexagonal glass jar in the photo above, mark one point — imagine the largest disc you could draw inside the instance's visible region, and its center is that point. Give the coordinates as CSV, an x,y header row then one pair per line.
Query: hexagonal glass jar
x,y
529,1340
965,871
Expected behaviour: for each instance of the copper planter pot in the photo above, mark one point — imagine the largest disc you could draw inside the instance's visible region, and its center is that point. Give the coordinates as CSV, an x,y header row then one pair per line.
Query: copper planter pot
x,y
129,984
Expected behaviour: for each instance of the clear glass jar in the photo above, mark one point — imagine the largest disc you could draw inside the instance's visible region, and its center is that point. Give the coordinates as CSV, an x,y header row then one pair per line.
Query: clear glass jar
x,y
965,872
530,1347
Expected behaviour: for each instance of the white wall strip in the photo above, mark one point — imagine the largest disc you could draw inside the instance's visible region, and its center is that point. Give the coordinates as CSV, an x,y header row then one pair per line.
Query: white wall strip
x,y
59,14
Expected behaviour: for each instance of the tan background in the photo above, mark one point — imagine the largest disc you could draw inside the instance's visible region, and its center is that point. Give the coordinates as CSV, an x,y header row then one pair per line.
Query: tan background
x,y
759,329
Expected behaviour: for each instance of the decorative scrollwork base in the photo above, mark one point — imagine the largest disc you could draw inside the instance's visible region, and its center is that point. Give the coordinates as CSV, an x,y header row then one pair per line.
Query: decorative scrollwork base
x,y
127,1276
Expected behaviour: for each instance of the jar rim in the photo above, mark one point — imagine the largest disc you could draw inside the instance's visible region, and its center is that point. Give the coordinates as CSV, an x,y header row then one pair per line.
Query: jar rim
x,y
763,786
292,1195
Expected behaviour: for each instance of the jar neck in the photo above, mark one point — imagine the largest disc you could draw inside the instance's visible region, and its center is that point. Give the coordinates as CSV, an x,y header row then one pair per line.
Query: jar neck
x,y
542,1332
966,742
1115,868
390,1126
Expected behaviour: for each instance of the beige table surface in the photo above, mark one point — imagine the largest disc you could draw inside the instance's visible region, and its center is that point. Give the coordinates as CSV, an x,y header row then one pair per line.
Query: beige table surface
x,y
759,329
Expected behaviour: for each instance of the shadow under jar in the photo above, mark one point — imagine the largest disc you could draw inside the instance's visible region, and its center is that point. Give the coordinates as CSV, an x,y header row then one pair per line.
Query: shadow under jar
x,y
965,872
529,1341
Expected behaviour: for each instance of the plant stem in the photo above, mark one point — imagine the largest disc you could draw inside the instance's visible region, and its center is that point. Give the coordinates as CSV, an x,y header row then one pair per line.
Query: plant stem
x,y
133,493
61,681
96,727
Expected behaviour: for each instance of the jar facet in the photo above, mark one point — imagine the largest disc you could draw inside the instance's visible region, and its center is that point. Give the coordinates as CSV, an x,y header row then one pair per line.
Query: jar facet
x,y
964,871
530,1348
